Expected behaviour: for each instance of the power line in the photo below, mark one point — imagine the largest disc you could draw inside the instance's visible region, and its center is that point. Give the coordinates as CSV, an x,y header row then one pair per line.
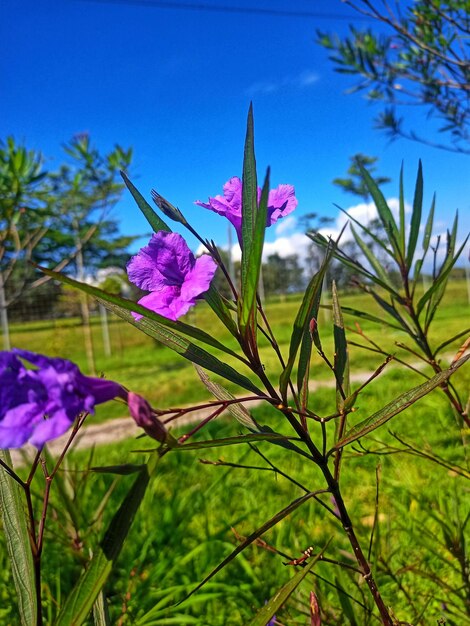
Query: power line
x,y
193,6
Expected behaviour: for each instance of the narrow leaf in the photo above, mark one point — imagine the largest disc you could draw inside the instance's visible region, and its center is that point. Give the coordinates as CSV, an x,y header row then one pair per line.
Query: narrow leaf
x,y
341,358
373,260
280,598
367,316
307,310
220,308
354,265
253,537
80,601
121,470
466,331
151,216
189,351
100,611
18,543
398,405
402,224
239,412
415,217
385,214
231,441
114,302
441,279
390,309
303,369
251,258
249,193
428,227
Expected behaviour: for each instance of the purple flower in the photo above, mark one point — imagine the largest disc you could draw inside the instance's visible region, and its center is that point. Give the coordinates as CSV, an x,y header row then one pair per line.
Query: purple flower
x,y
281,202
40,404
168,269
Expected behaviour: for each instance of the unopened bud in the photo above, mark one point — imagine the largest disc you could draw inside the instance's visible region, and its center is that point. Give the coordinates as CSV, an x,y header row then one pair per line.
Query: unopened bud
x,y
144,416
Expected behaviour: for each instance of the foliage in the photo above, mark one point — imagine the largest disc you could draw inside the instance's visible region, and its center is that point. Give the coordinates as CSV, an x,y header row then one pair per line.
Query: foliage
x,y
422,59
59,218
317,442
404,307
355,183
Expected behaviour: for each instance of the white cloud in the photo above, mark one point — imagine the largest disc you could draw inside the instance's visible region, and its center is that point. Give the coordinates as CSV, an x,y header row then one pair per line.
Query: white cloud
x,y
304,79
287,224
364,213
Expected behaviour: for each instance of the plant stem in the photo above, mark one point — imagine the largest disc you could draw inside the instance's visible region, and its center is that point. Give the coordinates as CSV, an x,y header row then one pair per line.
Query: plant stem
x,y
358,553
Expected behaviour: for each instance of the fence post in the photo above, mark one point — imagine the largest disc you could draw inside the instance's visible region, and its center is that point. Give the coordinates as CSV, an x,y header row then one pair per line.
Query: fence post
x,y
4,316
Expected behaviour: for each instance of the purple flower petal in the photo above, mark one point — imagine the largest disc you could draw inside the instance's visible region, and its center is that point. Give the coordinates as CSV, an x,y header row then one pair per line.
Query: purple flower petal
x,y
164,261
166,302
281,202
169,270
40,404
199,279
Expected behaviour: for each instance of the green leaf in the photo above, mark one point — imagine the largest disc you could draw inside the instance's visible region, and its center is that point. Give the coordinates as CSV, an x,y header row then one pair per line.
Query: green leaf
x,y
152,218
346,604
398,405
390,309
415,217
303,370
280,598
402,224
440,284
235,440
354,265
80,601
252,251
239,412
428,227
18,543
373,260
441,279
445,343
189,351
307,310
253,537
114,302
249,193
341,359
367,316
100,611
121,470
385,214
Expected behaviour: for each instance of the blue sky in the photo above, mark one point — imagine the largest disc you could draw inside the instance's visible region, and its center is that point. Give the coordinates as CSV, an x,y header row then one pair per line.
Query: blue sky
x,y
176,85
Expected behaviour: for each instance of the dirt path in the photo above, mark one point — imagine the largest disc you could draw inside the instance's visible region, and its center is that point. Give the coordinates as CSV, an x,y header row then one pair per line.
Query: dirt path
x,y
122,428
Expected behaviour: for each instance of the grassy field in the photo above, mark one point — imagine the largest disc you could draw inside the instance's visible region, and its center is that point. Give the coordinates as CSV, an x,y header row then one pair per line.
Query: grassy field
x,y
193,512
144,366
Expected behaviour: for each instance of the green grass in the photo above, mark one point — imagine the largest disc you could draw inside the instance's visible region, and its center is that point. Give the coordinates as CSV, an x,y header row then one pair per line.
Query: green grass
x,y
165,379
183,529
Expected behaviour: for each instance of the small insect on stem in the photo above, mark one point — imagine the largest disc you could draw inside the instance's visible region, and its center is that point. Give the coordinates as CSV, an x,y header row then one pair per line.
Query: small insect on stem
x,y
305,555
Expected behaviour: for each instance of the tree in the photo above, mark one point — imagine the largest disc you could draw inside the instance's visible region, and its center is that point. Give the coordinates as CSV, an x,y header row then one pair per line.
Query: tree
x,y
24,213
355,183
423,59
57,219
282,275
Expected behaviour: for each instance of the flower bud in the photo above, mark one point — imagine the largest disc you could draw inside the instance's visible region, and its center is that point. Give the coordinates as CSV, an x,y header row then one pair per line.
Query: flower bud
x,y
144,416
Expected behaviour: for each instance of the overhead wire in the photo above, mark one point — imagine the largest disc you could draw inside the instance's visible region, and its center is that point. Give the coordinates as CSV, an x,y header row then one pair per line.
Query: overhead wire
x,y
219,8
